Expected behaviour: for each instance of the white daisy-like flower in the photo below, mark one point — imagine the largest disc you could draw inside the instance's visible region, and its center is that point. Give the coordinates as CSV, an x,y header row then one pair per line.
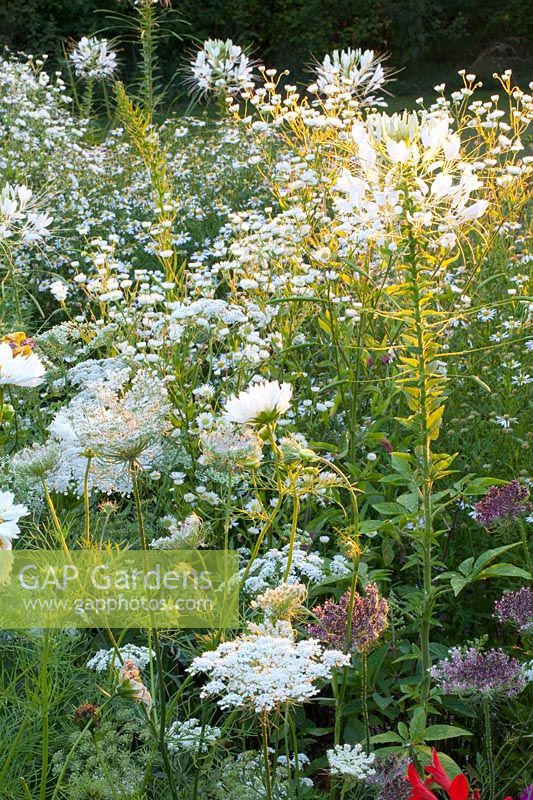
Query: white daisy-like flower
x,y
19,370
10,513
260,403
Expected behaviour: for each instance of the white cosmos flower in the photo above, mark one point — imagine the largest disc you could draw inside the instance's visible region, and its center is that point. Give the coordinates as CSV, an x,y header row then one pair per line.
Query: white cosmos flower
x,y
19,370
10,513
261,402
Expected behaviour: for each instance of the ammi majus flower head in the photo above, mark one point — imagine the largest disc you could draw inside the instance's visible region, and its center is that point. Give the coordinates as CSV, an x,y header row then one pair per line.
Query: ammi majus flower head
x,y
260,404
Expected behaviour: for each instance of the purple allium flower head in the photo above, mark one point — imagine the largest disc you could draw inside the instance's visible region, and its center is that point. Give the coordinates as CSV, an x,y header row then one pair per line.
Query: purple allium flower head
x,y
369,620
502,502
390,777
527,794
516,607
477,672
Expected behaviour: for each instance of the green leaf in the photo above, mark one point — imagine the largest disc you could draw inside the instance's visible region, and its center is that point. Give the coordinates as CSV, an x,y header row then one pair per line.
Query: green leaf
x,y
386,738
389,508
436,732
417,726
503,570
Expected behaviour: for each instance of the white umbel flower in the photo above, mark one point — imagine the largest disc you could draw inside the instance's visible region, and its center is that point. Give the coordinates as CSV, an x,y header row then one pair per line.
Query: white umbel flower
x,y
266,669
351,761
19,370
93,58
10,513
261,402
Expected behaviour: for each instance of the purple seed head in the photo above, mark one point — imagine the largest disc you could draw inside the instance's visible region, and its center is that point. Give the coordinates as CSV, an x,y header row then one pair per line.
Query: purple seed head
x,y
502,503
476,672
369,620
516,607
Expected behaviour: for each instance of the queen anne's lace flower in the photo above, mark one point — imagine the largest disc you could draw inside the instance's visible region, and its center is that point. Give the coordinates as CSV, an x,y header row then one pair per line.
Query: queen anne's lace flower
x,y
93,58
102,660
265,670
351,761
190,736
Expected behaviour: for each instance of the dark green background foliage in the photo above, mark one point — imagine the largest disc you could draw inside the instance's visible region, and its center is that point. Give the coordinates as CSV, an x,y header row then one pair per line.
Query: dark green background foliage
x,y
288,33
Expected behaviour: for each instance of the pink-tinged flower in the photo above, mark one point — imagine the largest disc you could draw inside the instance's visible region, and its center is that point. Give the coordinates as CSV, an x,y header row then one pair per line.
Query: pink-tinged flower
x,y
502,503
516,607
369,620
480,673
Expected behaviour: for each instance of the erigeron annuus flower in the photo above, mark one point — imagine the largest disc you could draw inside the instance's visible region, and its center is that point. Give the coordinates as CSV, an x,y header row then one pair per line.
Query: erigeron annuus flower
x,y
355,74
267,669
93,58
351,762
221,66
10,514
261,403
19,365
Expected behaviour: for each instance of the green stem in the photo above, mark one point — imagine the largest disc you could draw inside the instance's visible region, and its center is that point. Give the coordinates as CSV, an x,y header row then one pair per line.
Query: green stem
x,y
55,520
268,780
364,698
294,530
45,689
105,769
86,501
159,661
488,744
525,542
425,446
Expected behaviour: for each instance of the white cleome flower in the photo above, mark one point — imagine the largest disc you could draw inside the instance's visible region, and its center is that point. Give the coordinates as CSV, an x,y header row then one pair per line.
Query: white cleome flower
x,y
357,74
351,762
265,669
93,58
19,370
10,513
261,402
220,67
20,215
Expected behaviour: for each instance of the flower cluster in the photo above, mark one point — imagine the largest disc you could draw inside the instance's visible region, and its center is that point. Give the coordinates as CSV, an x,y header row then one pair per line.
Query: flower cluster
x,y
352,75
227,450
351,762
368,620
516,607
93,58
103,659
222,67
502,503
187,534
20,215
264,670
475,672
190,736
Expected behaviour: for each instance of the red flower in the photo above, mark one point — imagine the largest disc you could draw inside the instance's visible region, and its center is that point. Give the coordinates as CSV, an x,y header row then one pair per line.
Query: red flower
x,y
419,790
456,790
